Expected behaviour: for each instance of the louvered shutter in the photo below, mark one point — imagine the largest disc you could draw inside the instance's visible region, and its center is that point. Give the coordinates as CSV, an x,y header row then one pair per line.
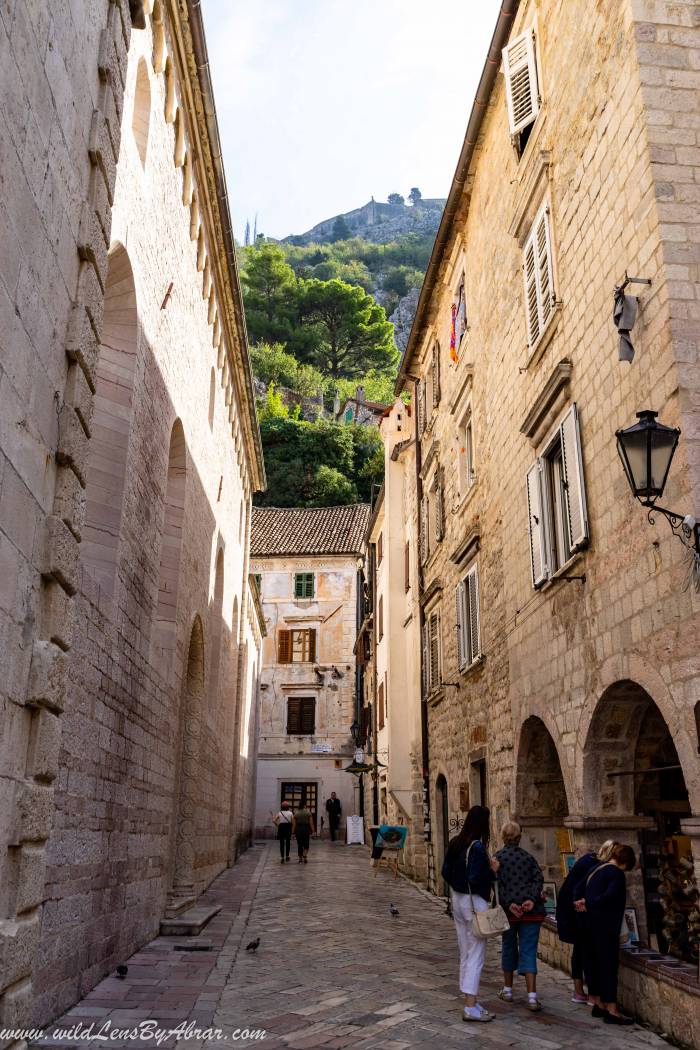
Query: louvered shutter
x,y
576,516
420,405
425,668
532,309
312,645
294,715
472,582
308,715
436,375
434,650
522,92
545,282
284,647
424,511
538,558
459,616
439,507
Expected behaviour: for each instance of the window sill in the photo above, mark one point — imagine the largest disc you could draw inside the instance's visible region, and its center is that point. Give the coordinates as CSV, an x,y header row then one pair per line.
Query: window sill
x,y
435,697
536,352
474,666
565,569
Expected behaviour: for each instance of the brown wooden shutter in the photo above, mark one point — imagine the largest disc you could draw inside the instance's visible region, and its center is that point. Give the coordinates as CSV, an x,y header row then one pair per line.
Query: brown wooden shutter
x,y
380,706
312,645
294,715
308,715
284,647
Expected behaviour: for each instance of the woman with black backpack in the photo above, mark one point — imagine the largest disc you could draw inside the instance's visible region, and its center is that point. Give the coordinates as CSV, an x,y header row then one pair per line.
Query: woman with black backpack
x,y
470,873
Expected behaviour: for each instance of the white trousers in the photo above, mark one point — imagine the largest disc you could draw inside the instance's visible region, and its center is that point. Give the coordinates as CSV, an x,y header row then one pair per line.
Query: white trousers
x,y
472,950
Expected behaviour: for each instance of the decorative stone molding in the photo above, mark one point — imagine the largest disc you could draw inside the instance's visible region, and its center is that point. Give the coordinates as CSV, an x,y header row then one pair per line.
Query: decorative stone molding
x,y
530,195
469,546
548,403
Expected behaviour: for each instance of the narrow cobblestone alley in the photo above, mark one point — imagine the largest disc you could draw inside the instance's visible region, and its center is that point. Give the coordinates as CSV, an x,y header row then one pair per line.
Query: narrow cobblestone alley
x,y
333,969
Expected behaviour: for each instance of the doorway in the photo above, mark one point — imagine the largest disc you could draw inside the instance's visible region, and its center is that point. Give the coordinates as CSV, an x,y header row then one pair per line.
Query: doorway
x,y
301,795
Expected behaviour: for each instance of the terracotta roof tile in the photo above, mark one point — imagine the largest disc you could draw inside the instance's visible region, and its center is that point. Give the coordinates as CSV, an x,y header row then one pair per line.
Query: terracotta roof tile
x,y
308,530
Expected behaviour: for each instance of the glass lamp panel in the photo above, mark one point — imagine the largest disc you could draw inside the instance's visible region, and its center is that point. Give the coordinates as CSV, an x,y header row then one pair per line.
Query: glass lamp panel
x,y
663,443
634,446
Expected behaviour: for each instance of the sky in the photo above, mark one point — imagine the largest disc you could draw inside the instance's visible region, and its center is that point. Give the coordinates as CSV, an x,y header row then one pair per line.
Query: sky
x,y
323,104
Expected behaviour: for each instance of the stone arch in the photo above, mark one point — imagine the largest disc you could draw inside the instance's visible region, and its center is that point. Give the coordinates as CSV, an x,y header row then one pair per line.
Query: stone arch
x,y
216,628
540,798
111,423
141,117
183,888
212,397
171,542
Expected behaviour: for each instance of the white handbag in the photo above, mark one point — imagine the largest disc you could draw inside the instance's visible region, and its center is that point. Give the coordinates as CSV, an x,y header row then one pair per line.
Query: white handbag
x,y
492,922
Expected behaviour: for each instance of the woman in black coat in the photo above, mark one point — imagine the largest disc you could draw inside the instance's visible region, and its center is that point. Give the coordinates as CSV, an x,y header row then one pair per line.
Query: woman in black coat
x,y
571,924
601,896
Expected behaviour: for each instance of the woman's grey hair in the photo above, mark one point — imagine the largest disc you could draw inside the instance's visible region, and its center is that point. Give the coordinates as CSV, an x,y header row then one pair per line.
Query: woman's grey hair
x,y
511,832
606,849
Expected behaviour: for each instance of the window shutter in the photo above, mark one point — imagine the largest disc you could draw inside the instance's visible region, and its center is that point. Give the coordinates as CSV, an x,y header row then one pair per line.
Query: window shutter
x,y
439,507
420,404
459,616
407,567
434,650
520,69
543,243
472,582
380,619
284,647
531,295
424,511
436,375
308,715
538,560
425,669
294,715
577,517
312,645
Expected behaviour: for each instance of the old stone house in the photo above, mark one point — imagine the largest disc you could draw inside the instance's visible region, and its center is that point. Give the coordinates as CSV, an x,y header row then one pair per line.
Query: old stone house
x,y
129,454
305,561
559,628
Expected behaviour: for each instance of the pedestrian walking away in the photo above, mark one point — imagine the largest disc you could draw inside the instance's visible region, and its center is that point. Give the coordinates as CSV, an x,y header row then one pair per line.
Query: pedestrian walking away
x,y
601,897
470,874
334,810
283,822
571,924
520,882
303,828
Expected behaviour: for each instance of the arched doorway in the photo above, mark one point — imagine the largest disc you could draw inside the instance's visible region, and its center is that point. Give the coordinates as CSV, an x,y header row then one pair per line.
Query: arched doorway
x,y
540,798
183,890
442,827
632,771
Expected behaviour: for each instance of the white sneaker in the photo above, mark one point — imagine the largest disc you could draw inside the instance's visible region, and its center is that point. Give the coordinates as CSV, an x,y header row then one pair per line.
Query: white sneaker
x,y
476,1013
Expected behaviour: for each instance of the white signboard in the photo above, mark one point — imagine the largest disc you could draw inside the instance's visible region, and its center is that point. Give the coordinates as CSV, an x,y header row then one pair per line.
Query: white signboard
x,y
355,831
321,747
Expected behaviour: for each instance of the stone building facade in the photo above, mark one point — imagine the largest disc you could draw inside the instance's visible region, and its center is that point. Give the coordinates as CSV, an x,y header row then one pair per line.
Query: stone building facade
x,y
560,629
305,561
129,454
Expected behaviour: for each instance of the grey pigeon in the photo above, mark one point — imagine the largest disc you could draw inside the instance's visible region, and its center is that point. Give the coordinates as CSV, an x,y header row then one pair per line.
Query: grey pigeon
x,y
253,945
394,910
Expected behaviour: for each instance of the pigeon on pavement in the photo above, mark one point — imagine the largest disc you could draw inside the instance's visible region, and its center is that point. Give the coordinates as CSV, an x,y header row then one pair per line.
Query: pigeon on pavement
x,y
253,945
394,910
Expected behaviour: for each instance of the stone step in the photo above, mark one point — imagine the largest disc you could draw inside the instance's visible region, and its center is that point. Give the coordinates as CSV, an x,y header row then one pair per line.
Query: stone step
x,y
189,923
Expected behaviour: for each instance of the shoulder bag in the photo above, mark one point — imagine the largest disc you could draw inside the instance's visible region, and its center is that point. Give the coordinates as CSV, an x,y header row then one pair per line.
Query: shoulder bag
x,y
492,922
624,935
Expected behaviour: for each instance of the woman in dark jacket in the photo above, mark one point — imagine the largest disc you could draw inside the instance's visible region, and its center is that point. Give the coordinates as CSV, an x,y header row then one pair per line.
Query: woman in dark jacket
x,y
602,896
470,874
571,926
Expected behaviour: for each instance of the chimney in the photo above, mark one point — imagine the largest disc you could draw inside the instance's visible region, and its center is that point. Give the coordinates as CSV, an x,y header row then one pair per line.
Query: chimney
x,y
359,393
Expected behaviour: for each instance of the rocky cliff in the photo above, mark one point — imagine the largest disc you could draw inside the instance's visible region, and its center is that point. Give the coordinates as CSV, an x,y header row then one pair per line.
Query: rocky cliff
x,y
378,222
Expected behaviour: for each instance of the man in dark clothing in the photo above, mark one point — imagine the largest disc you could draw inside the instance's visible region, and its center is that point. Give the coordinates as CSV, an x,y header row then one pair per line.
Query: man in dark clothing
x,y
333,809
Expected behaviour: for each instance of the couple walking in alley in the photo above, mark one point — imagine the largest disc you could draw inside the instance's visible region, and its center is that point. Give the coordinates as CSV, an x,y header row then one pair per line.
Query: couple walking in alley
x,y
591,916
300,825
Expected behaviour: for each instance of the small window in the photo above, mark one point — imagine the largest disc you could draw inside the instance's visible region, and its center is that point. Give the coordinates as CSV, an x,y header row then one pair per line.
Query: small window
x,y
380,706
557,515
538,276
459,321
465,439
522,88
432,653
303,585
301,716
296,647
468,619
380,619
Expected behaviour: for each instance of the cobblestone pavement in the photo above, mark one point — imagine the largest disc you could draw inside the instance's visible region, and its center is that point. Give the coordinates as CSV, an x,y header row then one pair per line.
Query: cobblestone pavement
x,y
335,969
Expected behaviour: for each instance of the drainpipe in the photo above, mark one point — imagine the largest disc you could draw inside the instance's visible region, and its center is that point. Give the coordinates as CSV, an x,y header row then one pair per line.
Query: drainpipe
x,y
375,756
425,744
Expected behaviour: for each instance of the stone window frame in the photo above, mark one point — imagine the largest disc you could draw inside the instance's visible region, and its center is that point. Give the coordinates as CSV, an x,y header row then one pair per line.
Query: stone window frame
x,y
468,619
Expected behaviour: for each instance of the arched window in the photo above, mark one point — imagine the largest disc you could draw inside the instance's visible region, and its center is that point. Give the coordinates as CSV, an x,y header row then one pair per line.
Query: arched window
x,y
111,423
142,110
171,544
212,398
216,629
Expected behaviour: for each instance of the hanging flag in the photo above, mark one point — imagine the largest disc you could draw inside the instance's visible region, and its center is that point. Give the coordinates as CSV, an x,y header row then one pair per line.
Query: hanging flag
x,y
624,316
453,336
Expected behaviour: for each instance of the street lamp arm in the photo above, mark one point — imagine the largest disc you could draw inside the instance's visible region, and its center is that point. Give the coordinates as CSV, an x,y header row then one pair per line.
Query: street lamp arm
x,y
683,526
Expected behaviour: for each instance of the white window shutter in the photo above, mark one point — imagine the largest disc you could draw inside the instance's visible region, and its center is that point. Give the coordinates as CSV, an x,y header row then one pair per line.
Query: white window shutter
x,y
426,658
424,528
577,517
532,309
439,507
522,92
434,650
460,624
474,616
538,557
543,246
436,375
